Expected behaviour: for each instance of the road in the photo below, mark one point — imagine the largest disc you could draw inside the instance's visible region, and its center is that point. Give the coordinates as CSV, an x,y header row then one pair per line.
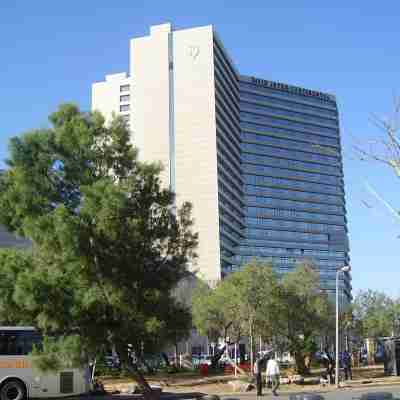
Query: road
x,y
341,394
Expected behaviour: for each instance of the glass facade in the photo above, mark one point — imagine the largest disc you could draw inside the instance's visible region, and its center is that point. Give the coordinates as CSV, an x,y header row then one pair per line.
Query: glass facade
x,y
230,177
280,176
293,192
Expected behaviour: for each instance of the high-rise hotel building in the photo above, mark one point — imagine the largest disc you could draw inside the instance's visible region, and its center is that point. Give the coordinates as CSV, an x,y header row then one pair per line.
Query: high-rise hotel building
x,y
260,160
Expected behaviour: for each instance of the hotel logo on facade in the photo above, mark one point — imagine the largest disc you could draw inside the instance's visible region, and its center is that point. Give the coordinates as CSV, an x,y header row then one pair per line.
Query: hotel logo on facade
x,y
292,89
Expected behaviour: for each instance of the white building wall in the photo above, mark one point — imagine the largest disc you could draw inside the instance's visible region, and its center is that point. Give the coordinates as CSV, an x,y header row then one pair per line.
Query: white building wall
x,y
173,117
195,139
149,67
106,96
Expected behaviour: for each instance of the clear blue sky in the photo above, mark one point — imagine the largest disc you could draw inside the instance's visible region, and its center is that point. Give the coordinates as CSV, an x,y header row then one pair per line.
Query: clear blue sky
x,y
51,52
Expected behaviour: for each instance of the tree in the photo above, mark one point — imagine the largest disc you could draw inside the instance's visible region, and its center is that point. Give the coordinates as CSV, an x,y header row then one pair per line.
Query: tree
x,y
288,312
241,304
250,297
303,312
12,263
108,243
208,312
385,149
376,312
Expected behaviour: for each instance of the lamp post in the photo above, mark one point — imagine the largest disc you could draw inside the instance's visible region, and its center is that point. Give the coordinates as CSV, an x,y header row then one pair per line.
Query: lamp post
x,y
345,268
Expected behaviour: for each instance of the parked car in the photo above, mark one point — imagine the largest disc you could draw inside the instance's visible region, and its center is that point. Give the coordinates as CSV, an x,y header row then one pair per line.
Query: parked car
x,y
112,362
205,360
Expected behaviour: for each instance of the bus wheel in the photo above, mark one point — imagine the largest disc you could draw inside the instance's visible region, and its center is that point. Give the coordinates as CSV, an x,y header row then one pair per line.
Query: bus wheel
x,y
13,390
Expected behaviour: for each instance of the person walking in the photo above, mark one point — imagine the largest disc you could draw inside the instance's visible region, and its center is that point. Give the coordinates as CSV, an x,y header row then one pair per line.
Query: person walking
x,y
346,360
329,365
257,373
273,374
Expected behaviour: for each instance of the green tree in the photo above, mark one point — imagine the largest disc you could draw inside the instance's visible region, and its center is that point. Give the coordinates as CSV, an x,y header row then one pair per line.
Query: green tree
x,y
303,313
251,295
377,313
243,304
12,263
108,244
208,313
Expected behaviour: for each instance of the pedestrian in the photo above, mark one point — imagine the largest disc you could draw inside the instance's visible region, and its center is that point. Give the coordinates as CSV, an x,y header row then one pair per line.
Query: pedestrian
x,y
346,360
329,365
273,374
257,373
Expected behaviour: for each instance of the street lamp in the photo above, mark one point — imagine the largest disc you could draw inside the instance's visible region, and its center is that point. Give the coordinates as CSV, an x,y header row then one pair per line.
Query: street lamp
x,y
345,268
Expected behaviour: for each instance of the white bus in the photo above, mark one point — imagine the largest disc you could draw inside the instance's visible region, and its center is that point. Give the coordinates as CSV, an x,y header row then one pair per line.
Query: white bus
x,y
20,380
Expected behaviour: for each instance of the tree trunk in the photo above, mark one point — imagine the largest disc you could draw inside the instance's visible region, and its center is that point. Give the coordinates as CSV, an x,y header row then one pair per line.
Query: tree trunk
x,y
251,349
176,354
300,363
148,393
131,367
240,370
165,358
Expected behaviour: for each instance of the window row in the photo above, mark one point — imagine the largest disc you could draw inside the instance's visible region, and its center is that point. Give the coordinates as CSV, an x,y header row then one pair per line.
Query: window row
x,y
227,229
227,106
232,220
230,164
223,80
245,95
222,120
233,185
281,250
227,241
291,154
124,88
291,96
124,98
290,134
279,213
226,253
292,184
285,163
225,207
292,194
258,118
124,107
262,233
230,207
280,112
221,57
228,191
268,201
286,260
295,225
293,144
268,243
288,173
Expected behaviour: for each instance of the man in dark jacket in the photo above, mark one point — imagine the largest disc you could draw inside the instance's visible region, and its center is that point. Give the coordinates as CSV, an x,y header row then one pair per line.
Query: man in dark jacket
x,y
329,365
346,360
257,373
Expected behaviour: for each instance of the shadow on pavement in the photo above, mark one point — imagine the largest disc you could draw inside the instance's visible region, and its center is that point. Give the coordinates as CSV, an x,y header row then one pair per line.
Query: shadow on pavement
x,y
182,396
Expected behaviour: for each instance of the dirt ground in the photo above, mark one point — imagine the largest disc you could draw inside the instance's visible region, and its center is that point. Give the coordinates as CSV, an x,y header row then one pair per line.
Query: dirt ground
x,y
218,384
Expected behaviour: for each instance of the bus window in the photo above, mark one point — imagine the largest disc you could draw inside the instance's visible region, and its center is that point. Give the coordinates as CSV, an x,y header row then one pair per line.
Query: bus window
x,y
32,339
11,344
18,344
3,344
